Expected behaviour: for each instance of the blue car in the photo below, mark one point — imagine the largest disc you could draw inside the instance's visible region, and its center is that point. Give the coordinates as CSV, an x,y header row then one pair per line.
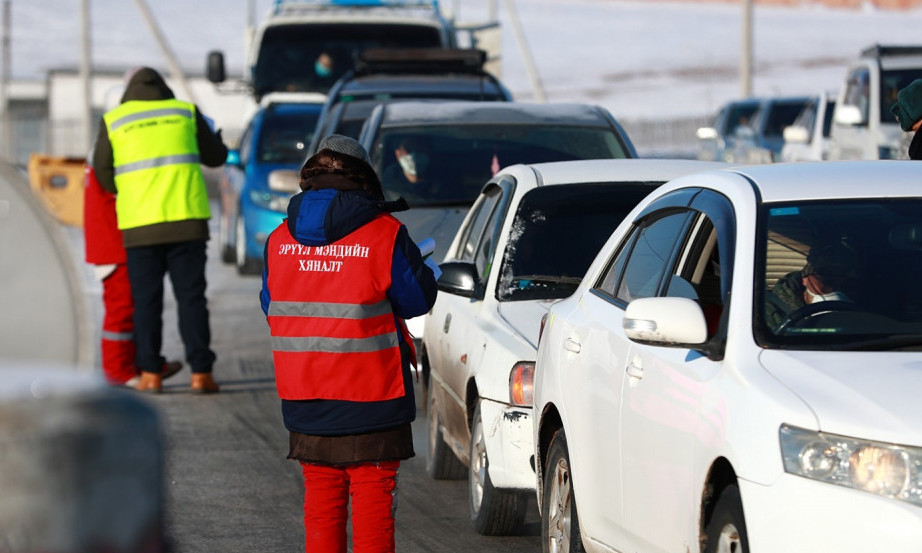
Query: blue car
x,y
260,177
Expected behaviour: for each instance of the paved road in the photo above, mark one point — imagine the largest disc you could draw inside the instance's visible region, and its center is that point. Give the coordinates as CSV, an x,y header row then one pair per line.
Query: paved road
x,y
228,485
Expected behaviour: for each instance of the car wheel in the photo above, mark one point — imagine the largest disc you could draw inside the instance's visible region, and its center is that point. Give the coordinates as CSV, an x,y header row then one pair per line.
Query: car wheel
x,y
228,254
494,512
245,265
726,531
441,462
559,521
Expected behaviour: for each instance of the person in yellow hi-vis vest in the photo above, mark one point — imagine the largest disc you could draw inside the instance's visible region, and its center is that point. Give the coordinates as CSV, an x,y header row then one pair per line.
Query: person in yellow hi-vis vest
x,y
149,152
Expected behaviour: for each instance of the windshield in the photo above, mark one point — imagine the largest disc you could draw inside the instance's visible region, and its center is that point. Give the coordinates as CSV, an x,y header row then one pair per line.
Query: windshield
x,y
302,58
779,116
891,82
449,165
285,137
557,232
840,275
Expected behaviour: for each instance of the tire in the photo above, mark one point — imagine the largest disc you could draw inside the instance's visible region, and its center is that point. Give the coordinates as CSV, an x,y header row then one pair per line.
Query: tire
x,y
494,511
559,520
726,531
228,254
441,462
245,265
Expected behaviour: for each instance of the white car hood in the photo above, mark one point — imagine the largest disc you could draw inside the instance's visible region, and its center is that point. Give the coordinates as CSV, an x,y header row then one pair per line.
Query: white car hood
x,y
524,317
867,395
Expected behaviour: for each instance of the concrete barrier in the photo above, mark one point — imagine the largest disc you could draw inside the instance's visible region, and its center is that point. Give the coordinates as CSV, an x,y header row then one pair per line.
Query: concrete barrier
x,y
43,315
81,465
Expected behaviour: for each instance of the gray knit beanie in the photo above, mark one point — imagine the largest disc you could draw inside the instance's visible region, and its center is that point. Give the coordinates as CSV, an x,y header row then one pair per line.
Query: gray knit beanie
x,y
344,145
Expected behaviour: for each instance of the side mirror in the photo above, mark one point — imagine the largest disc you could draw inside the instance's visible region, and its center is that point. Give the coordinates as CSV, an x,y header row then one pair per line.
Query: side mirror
x,y
795,134
460,278
215,67
669,322
707,133
849,115
233,158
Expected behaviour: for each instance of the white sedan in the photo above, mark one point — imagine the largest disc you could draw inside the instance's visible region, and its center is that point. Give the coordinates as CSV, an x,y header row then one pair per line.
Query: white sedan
x,y
741,369
525,243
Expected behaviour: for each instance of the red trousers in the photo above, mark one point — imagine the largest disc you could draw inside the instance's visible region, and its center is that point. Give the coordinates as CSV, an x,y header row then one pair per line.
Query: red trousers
x,y
117,344
327,490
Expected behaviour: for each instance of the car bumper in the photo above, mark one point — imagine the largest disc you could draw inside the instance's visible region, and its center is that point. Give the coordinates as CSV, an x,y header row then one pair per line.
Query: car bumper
x,y
259,223
508,433
801,515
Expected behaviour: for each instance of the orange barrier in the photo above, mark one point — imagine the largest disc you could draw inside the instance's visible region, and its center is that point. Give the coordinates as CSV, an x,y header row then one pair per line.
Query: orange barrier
x,y
58,183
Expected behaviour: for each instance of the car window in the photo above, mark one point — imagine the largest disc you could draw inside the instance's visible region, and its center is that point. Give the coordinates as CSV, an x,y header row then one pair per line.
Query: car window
x,y
453,161
483,257
739,115
891,82
781,115
246,143
285,137
288,53
651,257
840,274
476,222
557,232
612,275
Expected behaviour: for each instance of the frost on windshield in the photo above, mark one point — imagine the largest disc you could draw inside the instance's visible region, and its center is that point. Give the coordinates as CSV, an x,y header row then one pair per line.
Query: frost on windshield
x,y
530,266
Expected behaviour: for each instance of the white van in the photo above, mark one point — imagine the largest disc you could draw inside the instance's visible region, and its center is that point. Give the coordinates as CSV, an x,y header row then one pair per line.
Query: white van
x,y
286,49
863,127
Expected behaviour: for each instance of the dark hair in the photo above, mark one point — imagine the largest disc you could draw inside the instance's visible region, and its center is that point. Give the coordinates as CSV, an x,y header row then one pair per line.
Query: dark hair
x,y
328,162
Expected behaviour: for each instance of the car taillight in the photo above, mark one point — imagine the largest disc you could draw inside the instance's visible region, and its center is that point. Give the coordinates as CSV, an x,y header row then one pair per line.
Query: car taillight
x,y
521,384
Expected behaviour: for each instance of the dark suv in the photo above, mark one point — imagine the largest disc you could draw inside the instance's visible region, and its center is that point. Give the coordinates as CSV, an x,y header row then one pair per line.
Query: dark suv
x,y
386,75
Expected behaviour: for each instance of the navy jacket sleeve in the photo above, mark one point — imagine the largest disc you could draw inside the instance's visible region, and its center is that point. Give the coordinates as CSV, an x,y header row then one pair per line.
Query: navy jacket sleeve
x,y
413,286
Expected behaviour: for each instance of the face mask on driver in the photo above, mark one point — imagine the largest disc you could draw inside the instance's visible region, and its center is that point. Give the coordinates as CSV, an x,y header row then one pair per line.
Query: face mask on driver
x,y
413,163
831,296
322,70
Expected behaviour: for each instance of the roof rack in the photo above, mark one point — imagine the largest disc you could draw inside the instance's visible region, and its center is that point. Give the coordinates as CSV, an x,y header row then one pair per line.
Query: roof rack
x,y
879,51
420,60
281,5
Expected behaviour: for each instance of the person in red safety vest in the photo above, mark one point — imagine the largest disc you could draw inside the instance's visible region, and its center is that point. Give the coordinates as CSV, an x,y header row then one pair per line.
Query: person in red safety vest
x,y
341,275
103,249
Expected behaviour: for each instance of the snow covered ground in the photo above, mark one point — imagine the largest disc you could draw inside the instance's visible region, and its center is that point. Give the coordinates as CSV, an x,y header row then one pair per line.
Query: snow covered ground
x,y
643,60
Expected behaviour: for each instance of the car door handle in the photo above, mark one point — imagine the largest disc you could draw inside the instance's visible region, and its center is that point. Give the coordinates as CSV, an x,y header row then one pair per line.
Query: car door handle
x,y
571,345
447,323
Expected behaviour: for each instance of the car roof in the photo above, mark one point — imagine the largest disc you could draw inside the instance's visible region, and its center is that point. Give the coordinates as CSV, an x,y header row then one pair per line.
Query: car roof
x,y
612,170
292,107
455,112
419,84
805,181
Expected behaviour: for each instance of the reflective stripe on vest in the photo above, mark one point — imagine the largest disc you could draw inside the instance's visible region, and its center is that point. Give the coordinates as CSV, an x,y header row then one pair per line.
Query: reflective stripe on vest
x,y
156,161
333,331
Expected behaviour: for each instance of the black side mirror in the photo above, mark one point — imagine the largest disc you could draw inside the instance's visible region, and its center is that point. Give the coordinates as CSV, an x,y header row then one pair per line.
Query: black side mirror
x,y
215,67
460,278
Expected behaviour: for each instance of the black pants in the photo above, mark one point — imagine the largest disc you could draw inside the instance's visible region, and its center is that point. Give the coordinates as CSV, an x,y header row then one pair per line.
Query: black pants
x,y
185,263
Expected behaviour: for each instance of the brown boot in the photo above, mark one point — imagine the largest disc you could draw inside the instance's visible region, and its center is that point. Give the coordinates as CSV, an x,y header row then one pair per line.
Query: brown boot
x,y
203,383
170,368
150,383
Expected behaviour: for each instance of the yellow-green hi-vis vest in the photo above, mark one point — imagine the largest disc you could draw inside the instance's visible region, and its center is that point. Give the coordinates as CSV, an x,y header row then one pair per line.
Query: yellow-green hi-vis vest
x,y
156,160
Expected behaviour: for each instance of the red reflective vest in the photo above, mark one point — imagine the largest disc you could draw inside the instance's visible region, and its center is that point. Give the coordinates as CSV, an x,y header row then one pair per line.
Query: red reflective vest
x,y
333,330
102,238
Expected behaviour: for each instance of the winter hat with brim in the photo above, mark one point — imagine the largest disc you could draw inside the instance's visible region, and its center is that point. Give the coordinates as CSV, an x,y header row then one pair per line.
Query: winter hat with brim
x,y
908,106
344,145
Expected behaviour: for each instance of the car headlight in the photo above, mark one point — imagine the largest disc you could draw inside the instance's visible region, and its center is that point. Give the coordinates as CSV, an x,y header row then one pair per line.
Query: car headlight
x,y
888,470
268,200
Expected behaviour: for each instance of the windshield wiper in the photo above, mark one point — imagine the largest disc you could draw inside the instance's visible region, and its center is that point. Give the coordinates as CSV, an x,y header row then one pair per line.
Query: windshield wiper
x,y
884,343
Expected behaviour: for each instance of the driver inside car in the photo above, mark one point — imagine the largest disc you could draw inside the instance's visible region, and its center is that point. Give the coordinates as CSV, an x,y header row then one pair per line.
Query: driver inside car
x,y
831,270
